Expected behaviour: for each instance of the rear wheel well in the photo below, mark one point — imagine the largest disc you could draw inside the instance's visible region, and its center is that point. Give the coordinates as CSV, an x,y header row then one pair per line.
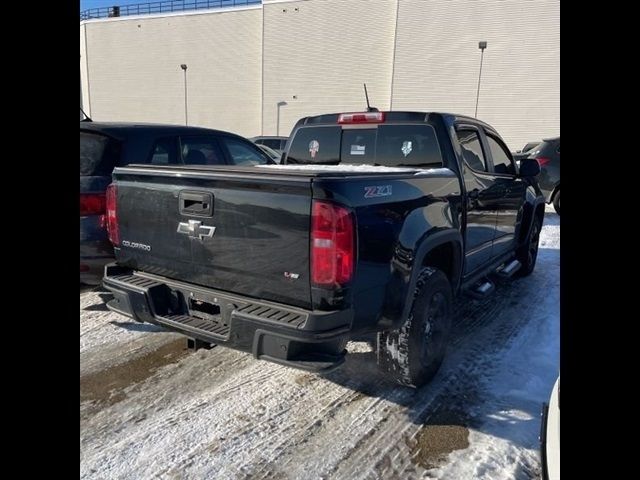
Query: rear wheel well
x,y
444,257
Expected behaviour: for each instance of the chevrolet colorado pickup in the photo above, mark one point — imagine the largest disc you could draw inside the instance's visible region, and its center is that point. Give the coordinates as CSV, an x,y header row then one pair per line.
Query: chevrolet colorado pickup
x,y
372,224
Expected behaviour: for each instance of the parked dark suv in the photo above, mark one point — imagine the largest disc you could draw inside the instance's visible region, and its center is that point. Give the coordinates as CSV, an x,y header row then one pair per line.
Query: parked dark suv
x,y
104,146
519,154
276,143
548,156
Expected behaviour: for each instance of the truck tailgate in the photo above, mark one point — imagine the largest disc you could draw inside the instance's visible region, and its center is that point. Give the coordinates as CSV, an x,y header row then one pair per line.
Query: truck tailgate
x,y
238,230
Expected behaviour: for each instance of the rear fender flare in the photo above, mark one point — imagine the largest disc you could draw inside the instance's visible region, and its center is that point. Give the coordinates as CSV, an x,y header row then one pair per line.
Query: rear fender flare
x,y
403,283
527,221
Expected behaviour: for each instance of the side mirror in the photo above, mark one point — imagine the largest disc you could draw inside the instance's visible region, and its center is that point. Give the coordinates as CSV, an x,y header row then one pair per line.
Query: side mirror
x,y
284,154
529,167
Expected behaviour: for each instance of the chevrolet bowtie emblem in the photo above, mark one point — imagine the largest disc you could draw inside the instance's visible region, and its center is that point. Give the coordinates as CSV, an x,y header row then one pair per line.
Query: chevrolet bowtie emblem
x,y
195,229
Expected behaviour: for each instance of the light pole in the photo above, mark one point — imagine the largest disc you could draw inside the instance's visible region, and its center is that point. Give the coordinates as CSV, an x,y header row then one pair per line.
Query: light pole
x,y
481,46
184,69
279,104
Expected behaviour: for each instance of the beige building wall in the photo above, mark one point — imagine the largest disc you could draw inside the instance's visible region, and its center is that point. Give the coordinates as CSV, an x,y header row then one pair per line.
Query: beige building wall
x,y
437,63
84,73
321,52
314,55
135,75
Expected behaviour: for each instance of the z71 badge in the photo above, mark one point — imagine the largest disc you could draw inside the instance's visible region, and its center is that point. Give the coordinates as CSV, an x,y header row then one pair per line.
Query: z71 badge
x,y
377,191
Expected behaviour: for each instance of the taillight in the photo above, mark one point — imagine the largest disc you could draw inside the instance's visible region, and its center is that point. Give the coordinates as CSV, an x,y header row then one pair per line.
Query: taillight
x,y
542,161
112,215
332,244
363,117
92,204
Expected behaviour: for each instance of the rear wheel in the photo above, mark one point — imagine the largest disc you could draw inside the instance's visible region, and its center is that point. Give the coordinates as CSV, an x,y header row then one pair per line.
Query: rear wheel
x,y
529,252
412,354
556,202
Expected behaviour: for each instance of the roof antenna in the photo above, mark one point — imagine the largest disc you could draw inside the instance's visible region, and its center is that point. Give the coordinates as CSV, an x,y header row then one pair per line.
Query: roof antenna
x,y
369,107
86,118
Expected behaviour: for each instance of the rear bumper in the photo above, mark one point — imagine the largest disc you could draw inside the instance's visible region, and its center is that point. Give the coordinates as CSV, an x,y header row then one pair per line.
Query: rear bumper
x,y
308,340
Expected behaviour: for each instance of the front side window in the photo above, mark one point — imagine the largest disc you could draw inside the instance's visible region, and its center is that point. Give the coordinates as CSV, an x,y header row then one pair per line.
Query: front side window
x,y
472,150
501,161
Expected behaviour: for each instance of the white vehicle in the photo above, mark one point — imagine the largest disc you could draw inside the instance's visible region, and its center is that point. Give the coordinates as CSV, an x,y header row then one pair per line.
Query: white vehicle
x,y
550,436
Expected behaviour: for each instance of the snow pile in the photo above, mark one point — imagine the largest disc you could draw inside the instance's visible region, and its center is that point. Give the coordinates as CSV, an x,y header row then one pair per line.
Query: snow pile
x,y
354,168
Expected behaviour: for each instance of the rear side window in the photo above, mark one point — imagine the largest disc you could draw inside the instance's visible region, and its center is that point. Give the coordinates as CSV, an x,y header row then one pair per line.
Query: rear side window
x,y
165,152
200,150
243,153
98,154
472,150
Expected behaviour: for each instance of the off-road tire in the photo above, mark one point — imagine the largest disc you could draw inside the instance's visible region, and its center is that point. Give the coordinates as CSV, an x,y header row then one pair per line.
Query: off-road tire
x,y
412,354
528,253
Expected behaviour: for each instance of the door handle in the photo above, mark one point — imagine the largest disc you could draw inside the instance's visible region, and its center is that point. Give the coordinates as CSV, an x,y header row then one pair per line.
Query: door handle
x,y
199,204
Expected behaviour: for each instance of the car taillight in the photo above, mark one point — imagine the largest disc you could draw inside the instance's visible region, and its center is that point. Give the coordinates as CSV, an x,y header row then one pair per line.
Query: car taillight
x,y
332,244
92,204
112,215
363,117
542,161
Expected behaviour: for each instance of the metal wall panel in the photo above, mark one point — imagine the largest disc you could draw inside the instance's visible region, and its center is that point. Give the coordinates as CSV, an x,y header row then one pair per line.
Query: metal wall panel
x,y
437,63
135,75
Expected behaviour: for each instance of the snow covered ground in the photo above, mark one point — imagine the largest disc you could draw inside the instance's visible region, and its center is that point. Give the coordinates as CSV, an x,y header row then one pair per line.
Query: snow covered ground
x,y
151,409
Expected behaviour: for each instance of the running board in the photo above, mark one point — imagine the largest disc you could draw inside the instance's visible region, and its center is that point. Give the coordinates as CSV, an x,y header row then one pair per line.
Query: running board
x,y
507,271
482,289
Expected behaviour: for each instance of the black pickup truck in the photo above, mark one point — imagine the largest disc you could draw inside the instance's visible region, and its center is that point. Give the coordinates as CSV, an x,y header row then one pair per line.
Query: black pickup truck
x,y
372,224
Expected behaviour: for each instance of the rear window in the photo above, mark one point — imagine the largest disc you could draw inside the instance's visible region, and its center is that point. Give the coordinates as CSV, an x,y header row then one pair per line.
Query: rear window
x,y
316,145
98,154
388,145
411,145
